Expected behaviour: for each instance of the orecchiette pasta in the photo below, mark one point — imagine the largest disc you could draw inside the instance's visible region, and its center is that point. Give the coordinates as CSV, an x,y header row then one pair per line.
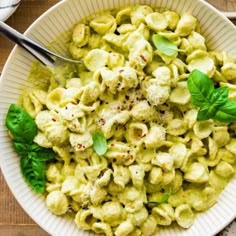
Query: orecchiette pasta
x,y
164,160
121,175
103,24
180,94
102,228
186,25
124,228
162,216
155,175
202,129
155,137
81,34
84,219
33,101
112,213
57,202
224,169
137,175
148,227
96,59
184,215
196,173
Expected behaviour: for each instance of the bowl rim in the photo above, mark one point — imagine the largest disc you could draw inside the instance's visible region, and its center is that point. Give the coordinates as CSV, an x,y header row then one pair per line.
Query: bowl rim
x,y
27,32
230,14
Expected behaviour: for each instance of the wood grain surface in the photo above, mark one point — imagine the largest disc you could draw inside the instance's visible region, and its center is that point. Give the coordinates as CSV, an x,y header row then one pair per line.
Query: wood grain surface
x,y
224,5
13,220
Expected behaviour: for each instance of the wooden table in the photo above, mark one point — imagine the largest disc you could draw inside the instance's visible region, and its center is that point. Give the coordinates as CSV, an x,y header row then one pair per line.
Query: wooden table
x,y
13,220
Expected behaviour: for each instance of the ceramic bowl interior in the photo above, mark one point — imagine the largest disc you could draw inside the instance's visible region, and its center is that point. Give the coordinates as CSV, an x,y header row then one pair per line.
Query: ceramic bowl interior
x,y
220,34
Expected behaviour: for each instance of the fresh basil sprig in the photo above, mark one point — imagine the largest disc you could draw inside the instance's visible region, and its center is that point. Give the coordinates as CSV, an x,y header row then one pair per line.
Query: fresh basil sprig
x,y
213,102
164,45
33,157
99,143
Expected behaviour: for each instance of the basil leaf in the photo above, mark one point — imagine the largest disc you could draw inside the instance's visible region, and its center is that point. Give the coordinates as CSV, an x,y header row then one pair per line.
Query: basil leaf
x,y
213,102
200,87
33,172
33,157
219,96
99,143
206,112
38,166
42,154
164,199
227,112
21,149
20,124
164,45
33,164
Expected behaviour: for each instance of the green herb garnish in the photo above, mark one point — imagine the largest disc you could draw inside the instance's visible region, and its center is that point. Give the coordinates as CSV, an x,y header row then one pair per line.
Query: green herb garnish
x,y
33,166
227,112
20,124
99,143
33,171
164,199
165,45
213,102
33,157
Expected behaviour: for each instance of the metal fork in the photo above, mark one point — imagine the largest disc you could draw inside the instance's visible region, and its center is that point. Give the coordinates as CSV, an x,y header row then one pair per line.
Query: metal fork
x,y
42,54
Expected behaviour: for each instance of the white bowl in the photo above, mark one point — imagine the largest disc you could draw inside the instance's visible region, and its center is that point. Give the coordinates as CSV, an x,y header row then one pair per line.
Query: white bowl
x,y
7,8
220,34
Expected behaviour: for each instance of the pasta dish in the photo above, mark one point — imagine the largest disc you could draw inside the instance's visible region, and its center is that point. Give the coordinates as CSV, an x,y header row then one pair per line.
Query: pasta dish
x,y
141,134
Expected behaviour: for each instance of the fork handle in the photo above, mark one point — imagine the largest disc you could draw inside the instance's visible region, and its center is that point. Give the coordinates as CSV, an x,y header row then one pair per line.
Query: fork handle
x,y
33,48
